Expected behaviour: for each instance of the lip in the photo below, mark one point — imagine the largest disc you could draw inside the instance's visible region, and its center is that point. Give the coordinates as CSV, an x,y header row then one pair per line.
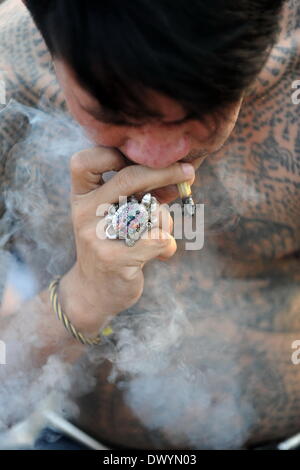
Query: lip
x,y
196,160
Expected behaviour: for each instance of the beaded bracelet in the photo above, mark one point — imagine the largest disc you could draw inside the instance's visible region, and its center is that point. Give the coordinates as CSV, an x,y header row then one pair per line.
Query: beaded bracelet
x,y
53,287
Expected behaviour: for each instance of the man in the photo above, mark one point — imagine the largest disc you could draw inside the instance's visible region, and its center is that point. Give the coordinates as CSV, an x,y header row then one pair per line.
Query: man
x,y
158,84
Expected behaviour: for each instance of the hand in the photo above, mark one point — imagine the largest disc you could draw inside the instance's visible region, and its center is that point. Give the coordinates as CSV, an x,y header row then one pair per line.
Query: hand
x,y
107,277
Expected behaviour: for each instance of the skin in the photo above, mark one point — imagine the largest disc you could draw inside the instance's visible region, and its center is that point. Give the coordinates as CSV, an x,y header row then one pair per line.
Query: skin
x,y
156,144
257,238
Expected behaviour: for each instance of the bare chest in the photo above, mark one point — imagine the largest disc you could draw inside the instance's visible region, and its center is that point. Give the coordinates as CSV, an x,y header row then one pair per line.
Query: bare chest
x,y
251,187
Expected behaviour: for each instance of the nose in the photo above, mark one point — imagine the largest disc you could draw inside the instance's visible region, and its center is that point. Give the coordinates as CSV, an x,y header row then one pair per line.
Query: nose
x,y
156,148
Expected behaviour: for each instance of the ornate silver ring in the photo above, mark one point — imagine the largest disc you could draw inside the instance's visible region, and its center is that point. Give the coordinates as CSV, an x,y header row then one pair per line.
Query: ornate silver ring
x,y
129,220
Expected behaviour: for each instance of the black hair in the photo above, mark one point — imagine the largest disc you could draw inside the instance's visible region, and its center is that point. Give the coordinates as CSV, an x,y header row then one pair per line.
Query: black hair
x,y
202,53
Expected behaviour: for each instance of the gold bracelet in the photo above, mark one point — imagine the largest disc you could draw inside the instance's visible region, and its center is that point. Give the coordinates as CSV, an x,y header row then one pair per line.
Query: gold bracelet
x,y
53,287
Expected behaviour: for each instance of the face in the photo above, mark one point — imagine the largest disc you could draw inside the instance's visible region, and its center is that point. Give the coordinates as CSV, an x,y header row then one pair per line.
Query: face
x,y
156,144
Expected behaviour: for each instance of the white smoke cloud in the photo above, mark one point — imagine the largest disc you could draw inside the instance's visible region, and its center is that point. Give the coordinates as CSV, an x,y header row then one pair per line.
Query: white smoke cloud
x,y
160,360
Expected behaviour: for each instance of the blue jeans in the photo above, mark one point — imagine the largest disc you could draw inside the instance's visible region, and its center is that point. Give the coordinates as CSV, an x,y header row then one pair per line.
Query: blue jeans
x,y
52,440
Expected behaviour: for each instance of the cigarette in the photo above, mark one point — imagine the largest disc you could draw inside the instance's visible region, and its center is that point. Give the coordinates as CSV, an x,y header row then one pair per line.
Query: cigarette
x,y
185,193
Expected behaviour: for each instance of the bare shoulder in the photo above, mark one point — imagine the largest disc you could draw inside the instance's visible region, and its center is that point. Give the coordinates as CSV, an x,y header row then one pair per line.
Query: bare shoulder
x,y
256,175
25,62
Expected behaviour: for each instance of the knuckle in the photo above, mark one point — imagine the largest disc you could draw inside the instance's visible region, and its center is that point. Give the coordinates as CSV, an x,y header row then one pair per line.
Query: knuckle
x,y
169,251
128,275
105,254
78,214
85,235
103,251
123,182
165,243
126,178
162,242
77,162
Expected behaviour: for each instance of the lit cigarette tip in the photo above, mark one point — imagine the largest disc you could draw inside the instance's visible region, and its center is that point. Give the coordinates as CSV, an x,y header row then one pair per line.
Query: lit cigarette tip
x,y
185,193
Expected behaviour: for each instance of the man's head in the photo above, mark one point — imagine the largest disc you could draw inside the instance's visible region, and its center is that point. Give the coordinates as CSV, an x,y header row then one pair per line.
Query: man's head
x,y
161,80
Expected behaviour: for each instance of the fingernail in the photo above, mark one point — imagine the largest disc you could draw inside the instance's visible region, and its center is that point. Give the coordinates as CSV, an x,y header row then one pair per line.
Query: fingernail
x,y
188,169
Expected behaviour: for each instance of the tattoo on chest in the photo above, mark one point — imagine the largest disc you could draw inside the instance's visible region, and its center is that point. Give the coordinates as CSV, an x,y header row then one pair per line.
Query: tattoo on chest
x,y
255,186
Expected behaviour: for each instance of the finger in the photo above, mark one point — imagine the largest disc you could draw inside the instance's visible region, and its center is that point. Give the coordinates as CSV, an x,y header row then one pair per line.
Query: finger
x,y
163,216
164,195
153,243
160,217
167,194
136,178
88,166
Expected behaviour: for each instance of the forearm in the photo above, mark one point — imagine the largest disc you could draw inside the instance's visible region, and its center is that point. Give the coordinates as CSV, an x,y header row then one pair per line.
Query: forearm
x,y
37,319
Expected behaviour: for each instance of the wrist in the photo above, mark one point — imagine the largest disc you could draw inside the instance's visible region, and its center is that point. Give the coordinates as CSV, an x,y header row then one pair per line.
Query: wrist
x,y
82,313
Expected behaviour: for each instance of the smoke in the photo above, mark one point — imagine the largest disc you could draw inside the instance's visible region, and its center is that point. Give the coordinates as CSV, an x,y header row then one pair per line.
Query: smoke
x,y
171,365
174,365
37,224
